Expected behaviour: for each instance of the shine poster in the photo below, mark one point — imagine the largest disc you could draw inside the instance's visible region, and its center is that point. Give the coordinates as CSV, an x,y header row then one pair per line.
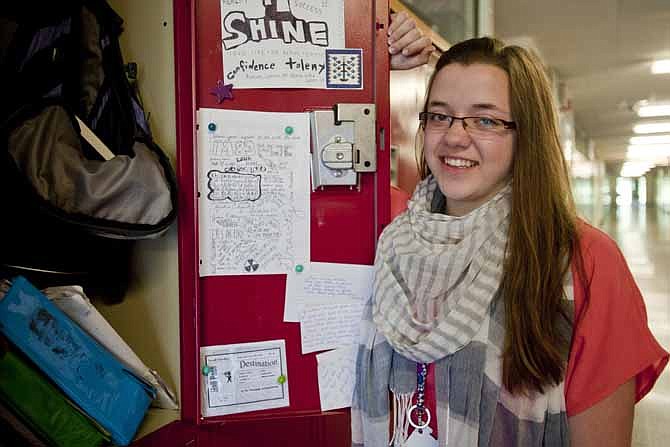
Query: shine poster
x,y
279,43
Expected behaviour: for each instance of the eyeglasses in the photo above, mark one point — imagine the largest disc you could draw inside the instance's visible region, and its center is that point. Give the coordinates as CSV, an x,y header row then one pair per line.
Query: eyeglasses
x,y
474,125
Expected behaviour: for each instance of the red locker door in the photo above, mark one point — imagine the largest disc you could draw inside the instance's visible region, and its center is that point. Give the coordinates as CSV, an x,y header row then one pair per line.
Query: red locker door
x,y
345,223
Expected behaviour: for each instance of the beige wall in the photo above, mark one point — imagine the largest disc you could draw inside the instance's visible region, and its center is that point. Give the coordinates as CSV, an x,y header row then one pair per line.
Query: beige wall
x,y
148,318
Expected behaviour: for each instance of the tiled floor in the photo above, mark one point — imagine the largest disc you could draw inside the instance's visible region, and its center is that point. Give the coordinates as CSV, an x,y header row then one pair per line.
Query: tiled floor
x,y
644,237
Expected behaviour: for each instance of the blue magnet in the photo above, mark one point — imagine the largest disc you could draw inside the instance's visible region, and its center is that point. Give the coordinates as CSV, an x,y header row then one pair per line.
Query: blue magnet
x,y
288,130
299,268
205,370
211,126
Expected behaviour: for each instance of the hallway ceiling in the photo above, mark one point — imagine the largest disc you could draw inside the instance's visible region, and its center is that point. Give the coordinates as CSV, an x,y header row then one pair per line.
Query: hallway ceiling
x,y
602,50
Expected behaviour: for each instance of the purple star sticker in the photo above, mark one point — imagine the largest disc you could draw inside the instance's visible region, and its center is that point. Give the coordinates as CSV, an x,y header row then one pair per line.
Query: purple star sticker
x,y
222,91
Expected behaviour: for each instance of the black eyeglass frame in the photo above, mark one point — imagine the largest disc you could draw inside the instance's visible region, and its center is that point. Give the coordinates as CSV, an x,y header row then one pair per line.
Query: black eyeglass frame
x,y
423,117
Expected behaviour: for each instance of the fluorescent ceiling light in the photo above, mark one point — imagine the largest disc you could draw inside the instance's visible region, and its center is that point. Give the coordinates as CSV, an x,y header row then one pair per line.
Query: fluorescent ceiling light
x,y
635,169
631,173
648,110
650,139
641,165
652,127
650,148
638,165
661,66
649,152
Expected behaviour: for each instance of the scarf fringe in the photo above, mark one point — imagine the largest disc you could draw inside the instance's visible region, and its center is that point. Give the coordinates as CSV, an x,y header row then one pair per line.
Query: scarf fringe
x,y
401,405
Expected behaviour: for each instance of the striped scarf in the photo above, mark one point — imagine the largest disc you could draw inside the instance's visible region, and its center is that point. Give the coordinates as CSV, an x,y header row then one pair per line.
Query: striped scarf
x,y
435,289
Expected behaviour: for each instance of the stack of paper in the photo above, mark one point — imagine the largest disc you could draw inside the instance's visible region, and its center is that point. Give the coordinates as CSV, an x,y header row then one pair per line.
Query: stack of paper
x,y
327,299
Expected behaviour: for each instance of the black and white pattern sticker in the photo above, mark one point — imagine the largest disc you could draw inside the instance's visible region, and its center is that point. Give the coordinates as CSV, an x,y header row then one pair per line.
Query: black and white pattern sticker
x,y
344,68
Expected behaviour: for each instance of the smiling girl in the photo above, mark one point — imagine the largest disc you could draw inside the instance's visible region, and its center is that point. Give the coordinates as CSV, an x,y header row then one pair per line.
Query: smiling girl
x,y
498,318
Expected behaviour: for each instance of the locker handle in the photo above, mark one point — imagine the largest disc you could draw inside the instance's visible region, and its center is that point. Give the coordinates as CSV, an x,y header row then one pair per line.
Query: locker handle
x,y
364,150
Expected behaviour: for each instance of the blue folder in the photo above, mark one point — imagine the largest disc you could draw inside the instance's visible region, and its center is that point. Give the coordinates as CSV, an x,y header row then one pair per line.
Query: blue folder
x,y
86,372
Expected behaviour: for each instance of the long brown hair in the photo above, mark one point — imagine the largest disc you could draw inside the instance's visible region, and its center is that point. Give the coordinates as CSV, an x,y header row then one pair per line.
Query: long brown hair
x,y
542,236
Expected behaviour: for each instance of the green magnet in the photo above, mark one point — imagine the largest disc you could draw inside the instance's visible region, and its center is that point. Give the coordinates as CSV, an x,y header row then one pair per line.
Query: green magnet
x,y
299,268
205,370
211,126
281,379
288,130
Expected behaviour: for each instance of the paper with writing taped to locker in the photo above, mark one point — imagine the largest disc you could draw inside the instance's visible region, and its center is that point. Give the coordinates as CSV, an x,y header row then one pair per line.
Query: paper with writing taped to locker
x,y
336,370
329,326
253,188
243,377
326,283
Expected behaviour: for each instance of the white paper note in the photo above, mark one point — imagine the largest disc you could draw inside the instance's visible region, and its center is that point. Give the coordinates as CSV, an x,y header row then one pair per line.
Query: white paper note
x,y
326,283
244,377
336,370
279,43
254,191
329,326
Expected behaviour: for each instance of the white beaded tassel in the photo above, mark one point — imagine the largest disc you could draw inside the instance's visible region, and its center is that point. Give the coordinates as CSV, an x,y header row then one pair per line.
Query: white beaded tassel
x,y
401,404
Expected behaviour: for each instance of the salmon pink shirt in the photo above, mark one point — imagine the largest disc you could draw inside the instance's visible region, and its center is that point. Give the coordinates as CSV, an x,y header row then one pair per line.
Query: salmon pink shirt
x,y
611,341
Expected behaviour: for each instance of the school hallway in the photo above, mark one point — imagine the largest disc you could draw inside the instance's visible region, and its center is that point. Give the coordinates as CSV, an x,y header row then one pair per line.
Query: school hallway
x,y
643,234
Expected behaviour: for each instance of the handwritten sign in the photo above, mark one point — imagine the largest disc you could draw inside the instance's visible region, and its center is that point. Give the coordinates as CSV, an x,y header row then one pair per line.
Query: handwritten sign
x,y
329,326
254,191
279,43
337,377
324,282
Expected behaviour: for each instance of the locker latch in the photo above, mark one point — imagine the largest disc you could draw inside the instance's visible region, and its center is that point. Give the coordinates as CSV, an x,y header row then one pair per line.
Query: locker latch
x,y
343,144
338,155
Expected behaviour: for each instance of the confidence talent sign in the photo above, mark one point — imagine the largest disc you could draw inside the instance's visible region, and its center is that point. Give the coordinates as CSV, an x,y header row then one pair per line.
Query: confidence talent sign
x,y
279,43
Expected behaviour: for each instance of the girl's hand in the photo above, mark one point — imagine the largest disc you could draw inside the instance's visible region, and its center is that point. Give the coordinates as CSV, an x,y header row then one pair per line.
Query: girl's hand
x,y
408,47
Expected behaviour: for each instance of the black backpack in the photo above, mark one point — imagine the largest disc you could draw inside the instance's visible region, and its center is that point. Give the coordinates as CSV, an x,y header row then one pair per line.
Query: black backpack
x,y
80,175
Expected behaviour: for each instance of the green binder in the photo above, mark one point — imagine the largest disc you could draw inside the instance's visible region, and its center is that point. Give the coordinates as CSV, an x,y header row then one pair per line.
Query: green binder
x,y
42,407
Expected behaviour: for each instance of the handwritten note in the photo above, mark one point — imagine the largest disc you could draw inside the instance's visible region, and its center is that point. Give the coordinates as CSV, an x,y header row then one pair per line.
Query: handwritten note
x,y
329,326
336,371
279,43
253,191
326,283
